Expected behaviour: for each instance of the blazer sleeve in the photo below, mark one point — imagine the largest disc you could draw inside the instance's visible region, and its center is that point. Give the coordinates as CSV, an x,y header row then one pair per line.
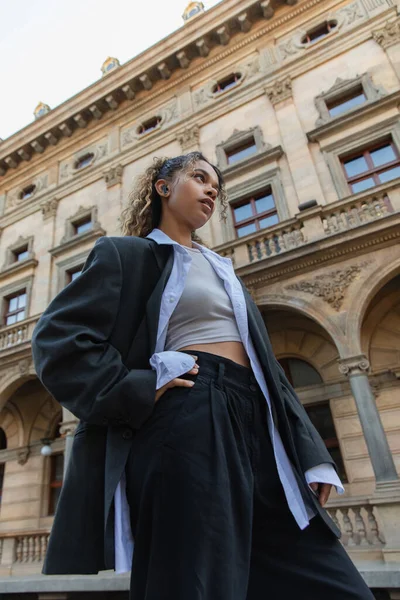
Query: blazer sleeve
x,y
73,356
310,447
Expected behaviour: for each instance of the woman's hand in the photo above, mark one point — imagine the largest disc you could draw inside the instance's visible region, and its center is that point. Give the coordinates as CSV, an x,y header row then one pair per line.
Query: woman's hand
x,y
322,490
179,382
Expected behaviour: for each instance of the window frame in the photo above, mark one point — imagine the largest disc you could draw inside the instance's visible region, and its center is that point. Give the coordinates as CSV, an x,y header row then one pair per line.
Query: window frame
x,y
238,78
341,89
373,172
64,267
327,23
146,132
6,292
11,263
256,217
237,139
9,313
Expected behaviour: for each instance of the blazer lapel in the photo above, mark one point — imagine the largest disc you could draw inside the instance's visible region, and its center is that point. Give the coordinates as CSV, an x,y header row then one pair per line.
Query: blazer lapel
x,y
154,303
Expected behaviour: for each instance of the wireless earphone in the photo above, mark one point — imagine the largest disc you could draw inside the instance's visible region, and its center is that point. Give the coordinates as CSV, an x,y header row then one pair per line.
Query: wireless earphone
x,y
165,189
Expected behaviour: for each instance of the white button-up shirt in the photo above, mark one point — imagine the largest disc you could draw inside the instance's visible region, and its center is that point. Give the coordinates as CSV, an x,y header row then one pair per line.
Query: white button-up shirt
x,y
169,365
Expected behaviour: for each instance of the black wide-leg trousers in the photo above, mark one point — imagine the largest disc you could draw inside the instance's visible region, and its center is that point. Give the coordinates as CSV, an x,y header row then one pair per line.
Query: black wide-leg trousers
x,y
208,512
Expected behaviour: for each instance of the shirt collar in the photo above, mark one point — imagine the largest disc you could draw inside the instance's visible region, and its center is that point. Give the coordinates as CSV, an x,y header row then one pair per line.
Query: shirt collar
x,y
160,237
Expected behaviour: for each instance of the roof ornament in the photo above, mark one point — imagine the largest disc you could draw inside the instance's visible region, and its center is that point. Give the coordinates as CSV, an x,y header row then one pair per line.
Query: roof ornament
x,y
41,110
192,10
109,65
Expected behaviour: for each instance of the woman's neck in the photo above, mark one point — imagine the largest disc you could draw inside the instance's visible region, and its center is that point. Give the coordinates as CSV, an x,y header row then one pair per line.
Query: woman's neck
x,y
178,233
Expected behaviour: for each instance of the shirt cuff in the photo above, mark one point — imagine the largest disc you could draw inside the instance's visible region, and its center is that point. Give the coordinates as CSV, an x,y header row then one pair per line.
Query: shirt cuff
x,y
324,473
169,365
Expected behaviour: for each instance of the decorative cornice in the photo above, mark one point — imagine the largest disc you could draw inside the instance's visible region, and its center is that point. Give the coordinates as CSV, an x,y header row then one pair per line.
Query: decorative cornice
x,y
389,35
125,83
331,286
78,240
280,90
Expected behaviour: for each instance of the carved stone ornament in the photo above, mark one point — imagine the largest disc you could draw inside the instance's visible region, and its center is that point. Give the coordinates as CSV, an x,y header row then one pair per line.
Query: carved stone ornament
x,y
23,455
68,427
24,365
16,196
168,114
279,91
331,287
389,35
354,365
189,138
49,208
113,176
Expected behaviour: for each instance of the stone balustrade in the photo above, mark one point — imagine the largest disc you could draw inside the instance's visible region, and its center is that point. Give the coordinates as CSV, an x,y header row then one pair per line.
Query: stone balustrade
x,y
13,335
317,223
358,524
23,551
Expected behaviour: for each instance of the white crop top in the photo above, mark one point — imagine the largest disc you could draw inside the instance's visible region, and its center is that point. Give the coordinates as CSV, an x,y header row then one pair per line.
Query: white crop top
x,y
204,313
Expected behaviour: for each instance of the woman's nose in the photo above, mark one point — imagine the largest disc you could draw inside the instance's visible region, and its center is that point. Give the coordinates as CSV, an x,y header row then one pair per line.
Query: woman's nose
x,y
212,192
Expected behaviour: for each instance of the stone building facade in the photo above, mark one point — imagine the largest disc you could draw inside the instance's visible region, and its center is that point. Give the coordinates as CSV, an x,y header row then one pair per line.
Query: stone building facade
x,y
298,103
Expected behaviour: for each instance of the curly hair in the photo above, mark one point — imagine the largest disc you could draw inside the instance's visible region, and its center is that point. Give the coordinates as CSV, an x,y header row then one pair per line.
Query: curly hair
x,y
143,211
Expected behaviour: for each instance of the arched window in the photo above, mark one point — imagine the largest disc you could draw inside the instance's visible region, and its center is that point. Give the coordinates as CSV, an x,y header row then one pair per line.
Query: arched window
x,y
300,374
226,83
149,125
84,161
319,32
3,446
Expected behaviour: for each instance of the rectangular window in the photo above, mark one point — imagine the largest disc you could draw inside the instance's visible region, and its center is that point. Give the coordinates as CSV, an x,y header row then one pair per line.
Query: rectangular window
x,y
241,152
254,214
56,480
15,308
83,225
344,103
373,166
73,274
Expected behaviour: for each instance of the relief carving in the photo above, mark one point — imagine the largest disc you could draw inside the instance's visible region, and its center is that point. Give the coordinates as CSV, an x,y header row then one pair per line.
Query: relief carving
x,y
189,138
389,35
113,176
279,91
331,287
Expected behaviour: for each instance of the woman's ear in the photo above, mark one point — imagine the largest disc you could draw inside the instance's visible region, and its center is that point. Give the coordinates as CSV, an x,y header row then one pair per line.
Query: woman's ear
x,y
162,187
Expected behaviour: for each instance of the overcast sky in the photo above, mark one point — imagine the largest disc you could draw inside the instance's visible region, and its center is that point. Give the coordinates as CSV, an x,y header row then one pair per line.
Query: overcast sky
x,y
50,50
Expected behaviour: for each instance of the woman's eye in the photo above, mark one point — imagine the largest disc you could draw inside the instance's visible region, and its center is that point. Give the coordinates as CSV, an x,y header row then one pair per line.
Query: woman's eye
x,y
200,176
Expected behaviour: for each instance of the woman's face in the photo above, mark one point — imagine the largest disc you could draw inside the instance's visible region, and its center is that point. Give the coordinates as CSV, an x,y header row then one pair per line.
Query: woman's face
x,y
191,195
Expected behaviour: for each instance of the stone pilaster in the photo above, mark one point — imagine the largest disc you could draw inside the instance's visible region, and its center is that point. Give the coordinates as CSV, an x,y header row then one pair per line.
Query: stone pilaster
x,y
189,139
294,142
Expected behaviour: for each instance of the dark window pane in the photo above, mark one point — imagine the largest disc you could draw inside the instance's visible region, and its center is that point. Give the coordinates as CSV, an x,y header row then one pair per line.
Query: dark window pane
x,y
364,184
382,156
2,469
355,166
302,373
54,497
389,174
269,221
347,104
321,417
337,457
3,439
243,212
242,231
241,153
58,467
265,203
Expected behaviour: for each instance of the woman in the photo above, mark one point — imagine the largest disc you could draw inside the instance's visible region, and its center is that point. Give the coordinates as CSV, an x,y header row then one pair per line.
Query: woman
x,y
192,443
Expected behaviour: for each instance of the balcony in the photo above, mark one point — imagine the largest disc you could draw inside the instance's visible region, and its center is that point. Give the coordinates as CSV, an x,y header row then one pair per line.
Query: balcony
x,y
15,337
317,228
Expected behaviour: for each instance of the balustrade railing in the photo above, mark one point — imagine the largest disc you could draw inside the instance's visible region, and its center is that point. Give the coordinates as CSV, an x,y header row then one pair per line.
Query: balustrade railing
x,y
358,525
31,548
13,335
355,213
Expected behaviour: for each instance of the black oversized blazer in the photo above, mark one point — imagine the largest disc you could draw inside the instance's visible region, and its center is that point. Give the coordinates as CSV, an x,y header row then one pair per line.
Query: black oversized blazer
x,y
91,350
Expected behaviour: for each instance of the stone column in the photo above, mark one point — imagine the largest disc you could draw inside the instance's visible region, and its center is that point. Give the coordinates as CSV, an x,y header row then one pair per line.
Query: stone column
x,y
295,143
356,368
67,428
389,39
